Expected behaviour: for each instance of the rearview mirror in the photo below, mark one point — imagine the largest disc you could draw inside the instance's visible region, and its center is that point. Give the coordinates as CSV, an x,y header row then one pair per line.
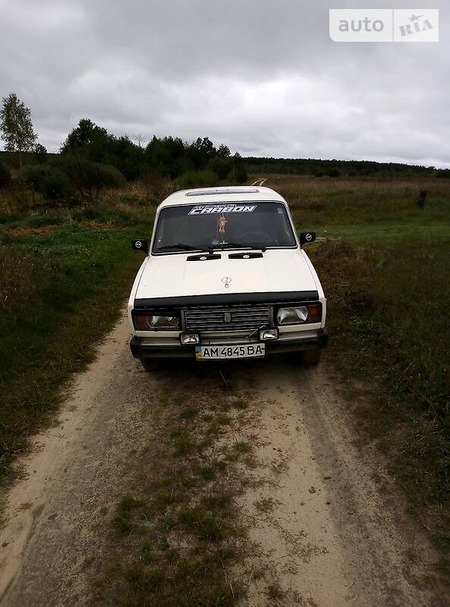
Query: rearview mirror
x,y
140,245
307,237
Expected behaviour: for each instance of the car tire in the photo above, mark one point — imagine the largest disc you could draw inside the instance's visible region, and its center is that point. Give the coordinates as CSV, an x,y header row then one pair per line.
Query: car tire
x,y
312,357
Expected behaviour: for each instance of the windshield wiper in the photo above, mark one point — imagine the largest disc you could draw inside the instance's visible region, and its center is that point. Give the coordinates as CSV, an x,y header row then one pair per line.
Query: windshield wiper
x,y
184,247
237,245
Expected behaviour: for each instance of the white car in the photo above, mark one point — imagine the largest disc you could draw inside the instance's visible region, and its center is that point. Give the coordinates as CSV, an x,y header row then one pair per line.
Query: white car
x,y
225,277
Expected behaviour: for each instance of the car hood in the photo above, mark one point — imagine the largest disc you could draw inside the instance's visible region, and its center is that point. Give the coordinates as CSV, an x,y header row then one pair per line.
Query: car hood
x,y
176,275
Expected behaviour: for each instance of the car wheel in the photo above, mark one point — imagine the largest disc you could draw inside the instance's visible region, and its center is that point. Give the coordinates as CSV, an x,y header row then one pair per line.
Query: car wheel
x,y
312,357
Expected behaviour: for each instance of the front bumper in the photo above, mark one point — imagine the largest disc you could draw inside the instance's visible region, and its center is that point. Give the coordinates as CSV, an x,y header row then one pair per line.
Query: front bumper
x,y
142,347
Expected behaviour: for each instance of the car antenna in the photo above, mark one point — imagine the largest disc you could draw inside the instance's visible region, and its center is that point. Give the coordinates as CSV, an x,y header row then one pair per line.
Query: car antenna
x,y
259,182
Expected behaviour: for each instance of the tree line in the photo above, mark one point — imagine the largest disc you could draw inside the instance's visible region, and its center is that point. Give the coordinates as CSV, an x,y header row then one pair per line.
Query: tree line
x,y
91,159
340,168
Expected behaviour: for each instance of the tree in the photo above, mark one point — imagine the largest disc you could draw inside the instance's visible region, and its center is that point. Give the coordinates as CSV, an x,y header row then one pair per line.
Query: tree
x,y
200,152
40,152
88,141
166,155
16,127
91,142
223,151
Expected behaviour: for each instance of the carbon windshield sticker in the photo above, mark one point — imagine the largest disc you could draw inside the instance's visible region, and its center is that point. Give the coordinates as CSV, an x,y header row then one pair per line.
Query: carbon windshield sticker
x,y
204,209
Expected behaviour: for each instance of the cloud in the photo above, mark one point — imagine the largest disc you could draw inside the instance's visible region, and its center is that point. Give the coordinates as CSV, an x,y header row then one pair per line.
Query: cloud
x,y
262,77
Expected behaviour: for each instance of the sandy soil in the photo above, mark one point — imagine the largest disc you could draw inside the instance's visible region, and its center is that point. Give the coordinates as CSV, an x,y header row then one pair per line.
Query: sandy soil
x,y
321,525
325,520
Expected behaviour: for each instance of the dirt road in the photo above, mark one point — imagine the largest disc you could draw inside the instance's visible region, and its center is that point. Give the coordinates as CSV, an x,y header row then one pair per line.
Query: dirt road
x,y
326,524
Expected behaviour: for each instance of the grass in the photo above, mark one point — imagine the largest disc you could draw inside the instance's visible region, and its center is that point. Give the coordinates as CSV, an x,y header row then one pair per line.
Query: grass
x,y
177,537
389,323
63,281
343,205
385,266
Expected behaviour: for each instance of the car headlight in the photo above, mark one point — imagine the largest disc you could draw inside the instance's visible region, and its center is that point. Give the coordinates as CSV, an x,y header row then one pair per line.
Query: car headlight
x,y
146,322
292,316
299,314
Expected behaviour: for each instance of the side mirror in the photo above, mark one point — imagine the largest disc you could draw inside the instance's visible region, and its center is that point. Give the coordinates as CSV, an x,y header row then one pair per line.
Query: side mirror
x,y
140,245
307,237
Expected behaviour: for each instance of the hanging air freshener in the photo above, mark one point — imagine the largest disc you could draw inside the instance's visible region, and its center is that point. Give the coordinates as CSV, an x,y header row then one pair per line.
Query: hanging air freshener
x,y
221,227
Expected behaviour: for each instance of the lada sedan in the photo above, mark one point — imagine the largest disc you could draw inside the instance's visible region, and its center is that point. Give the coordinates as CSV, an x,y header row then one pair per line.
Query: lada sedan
x,y
226,276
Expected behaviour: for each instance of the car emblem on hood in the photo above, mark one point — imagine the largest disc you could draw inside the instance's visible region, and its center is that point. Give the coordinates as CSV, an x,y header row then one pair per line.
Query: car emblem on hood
x,y
226,281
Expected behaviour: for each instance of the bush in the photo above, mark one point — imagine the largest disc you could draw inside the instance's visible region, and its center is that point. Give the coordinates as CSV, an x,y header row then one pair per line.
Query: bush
x,y
34,175
66,177
334,172
221,166
110,177
238,175
195,179
88,178
5,175
57,185
48,180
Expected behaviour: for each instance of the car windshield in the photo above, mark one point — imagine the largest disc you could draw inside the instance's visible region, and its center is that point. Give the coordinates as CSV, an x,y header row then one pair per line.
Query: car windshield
x,y
224,225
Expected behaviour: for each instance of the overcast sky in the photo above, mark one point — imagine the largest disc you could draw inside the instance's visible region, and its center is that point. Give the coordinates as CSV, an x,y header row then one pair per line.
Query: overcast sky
x,y
261,76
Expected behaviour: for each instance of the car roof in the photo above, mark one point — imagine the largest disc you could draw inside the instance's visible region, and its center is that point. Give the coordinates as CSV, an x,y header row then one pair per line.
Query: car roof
x,y
222,194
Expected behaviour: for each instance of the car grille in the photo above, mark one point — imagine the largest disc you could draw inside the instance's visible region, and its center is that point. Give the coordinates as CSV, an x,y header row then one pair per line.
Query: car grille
x,y
232,318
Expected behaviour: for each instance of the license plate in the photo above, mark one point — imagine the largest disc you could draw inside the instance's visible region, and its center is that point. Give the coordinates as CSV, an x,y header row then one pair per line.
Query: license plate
x,y
224,352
